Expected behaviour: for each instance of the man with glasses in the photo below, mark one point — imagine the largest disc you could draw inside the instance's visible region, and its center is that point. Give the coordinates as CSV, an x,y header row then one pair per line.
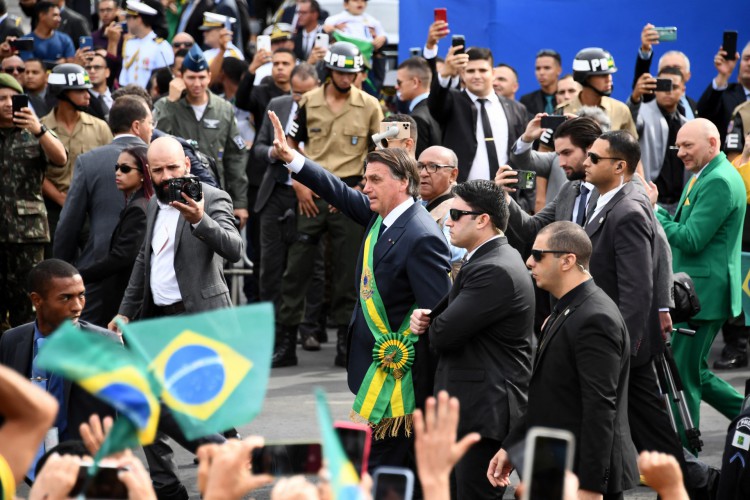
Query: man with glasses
x,y
182,41
584,345
547,70
15,67
308,27
485,362
98,72
143,52
438,169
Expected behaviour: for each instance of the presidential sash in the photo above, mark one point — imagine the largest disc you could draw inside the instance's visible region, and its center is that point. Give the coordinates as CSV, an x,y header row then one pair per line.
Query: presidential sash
x,y
385,399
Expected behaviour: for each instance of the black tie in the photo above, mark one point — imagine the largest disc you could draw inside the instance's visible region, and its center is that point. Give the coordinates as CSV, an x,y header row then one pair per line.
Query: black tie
x,y
383,227
581,215
489,141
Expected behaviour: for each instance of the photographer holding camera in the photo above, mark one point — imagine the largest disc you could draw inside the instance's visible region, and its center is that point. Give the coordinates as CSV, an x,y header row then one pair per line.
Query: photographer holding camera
x,y
190,230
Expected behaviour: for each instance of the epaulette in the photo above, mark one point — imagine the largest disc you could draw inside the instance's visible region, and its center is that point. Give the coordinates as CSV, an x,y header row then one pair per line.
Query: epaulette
x,y
158,39
15,20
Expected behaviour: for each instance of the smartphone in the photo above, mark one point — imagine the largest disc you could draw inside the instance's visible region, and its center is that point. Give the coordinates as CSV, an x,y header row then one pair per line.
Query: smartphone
x,y
22,44
124,26
105,484
287,459
415,52
441,14
321,40
393,483
667,33
85,42
526,180
19,101
355,438
549,453
663,85
729,44
263,42
553,121
459,40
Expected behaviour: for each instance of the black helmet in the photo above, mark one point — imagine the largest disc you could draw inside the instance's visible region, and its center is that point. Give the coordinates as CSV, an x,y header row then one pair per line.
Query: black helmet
x,y
68,76
592,61
344,57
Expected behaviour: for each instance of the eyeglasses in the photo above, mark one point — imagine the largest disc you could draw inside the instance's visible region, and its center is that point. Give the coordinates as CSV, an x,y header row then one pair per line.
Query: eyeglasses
x,y
538,254
456,214
14,69
431,167
94,67
595,158
125,169
177,45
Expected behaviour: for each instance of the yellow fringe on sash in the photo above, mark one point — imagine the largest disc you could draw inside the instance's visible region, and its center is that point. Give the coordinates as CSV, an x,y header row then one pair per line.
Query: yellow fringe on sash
x,y
388,427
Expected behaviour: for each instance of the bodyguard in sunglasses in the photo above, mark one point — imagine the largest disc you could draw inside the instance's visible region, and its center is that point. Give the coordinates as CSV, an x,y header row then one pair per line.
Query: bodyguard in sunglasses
x,y
485,358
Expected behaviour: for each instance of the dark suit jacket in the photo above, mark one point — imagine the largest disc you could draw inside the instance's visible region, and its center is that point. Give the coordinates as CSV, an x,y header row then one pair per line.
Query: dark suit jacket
x,y
299,40
113,271
411,266
428,129
199,255
93,197
483,336
11,26
457,116
718,105
16,350
74,25
622,264
276,171
580,383
644,66
534,102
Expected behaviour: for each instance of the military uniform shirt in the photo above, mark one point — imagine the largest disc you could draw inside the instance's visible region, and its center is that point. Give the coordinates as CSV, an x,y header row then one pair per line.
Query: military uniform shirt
x,y
141,56
231,51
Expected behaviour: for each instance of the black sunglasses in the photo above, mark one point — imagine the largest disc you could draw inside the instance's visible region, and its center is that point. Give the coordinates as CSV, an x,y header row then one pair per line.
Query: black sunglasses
x,y
595,158
14,69
538,254
456,214
187,45
125,169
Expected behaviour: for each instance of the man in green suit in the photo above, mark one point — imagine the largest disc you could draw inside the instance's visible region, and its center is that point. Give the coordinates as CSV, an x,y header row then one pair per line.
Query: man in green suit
x,y
705,235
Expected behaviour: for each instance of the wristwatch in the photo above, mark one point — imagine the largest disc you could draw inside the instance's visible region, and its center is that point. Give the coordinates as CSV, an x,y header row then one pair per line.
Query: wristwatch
x,y
42,131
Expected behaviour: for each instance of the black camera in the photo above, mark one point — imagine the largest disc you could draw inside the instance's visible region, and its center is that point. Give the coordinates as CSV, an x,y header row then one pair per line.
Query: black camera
x,y
191,186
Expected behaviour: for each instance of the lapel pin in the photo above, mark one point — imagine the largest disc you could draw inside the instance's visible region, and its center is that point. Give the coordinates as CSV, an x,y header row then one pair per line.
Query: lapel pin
x,y
601,220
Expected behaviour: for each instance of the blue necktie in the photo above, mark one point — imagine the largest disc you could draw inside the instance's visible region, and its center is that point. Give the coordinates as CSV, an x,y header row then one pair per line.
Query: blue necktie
x,y
583,198
549,107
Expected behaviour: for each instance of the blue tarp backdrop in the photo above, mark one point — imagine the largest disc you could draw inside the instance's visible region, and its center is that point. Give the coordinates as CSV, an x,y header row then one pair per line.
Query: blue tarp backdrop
x,y
516,29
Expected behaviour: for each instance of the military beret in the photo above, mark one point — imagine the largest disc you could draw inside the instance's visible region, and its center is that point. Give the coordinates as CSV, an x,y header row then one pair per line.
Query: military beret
x,y
7,81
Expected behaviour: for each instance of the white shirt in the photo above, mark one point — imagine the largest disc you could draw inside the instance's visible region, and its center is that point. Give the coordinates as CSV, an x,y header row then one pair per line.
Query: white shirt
x,y
471,254
578,200
231,51
262,72
480,167
199,110
141,56
308,39
163,279
357,26
602,201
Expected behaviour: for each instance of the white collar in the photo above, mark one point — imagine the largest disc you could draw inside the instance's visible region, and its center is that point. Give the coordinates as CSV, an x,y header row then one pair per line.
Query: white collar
x,y
492,97
471,254
606,197
394,214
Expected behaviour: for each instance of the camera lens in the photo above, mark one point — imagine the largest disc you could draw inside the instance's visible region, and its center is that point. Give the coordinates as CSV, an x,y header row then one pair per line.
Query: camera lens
x,y
192,190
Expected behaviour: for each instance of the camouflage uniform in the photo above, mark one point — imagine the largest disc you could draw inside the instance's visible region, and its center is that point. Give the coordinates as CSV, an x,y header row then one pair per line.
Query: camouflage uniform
x,y
23,221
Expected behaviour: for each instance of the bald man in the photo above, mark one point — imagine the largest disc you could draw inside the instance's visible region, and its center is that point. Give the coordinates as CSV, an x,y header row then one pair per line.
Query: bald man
x,y
705,235
15,67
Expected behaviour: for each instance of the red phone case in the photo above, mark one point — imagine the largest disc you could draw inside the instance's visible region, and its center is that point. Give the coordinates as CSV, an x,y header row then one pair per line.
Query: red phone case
x,y
342,424
441,14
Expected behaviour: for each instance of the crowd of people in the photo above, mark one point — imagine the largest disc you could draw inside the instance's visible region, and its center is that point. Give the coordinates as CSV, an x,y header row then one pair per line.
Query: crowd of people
x,y
518,252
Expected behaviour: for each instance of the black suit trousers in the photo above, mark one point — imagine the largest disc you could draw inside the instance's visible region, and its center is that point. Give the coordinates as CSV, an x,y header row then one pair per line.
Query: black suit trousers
x,y
469,477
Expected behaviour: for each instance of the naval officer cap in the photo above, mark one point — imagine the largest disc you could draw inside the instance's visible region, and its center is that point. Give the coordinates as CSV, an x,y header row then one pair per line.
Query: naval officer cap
x,y
136,8
194,60
212,21
279,32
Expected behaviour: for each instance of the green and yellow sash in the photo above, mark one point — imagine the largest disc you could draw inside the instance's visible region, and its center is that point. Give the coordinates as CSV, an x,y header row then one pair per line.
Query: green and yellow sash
x,y
386,397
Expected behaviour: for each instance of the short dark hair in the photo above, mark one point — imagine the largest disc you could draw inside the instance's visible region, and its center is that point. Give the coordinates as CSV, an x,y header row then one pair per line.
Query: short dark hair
x,y
401,165
284,50
42,8
418,66
569,236
582,131
400,117
163,76
41,274
314,6
550,53
485,196
3,8
480,54
623,145
233,68
503,65
134,90
125,110
37,60
305,71
672,70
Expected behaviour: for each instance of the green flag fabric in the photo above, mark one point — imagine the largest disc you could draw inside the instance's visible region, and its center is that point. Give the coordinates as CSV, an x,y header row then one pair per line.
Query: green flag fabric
x,y
746,286
364,46
112,373
213,366
344,477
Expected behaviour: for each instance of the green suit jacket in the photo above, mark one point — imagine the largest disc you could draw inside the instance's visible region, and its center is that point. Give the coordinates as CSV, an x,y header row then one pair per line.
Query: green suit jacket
x,y
705,235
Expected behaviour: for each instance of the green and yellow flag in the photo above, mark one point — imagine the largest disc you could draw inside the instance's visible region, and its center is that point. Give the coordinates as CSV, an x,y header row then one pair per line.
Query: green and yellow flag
x,y
112,373
746,286
364,46
213,367
344,477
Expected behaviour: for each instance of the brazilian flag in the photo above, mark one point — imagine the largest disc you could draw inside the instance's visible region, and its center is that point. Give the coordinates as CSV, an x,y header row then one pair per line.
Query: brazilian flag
x,y
213,366
746,286
112,373
344,477
365,46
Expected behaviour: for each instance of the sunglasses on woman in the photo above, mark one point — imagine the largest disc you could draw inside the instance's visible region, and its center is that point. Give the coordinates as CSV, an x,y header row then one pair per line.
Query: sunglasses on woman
x,y
125,169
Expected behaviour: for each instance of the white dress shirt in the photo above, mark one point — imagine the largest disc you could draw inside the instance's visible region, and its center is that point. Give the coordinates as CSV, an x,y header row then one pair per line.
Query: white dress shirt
x,y
163,279
469,255
602,202
480,167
